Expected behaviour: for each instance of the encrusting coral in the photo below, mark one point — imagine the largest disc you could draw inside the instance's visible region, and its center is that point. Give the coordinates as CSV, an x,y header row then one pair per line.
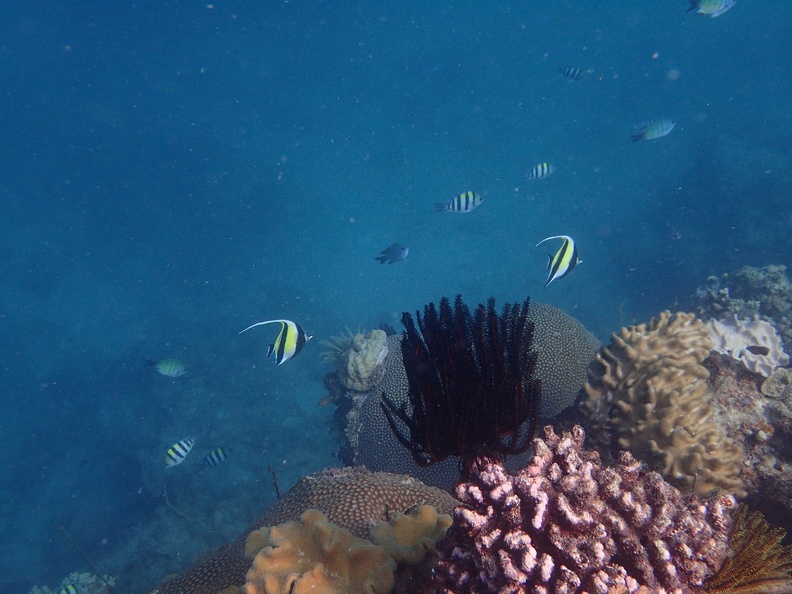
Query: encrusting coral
x,y
408,537
565,523
360,367
755,343
648,394
352,498
318,557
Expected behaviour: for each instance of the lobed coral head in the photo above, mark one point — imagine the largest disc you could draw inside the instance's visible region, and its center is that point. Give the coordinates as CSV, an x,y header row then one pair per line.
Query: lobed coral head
x,y
565,523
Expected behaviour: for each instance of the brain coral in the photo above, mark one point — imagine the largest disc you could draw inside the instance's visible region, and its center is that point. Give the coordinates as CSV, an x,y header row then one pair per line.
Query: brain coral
x,y
648,394
564,348
317,556
352,498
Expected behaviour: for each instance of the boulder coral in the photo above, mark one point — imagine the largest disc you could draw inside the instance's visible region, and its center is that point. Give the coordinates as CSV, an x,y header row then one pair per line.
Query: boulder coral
x,y
648,394
315,556
352,498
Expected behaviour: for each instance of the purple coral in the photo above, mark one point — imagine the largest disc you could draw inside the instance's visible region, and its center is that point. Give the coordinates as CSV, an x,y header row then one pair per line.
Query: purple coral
x,y
567,524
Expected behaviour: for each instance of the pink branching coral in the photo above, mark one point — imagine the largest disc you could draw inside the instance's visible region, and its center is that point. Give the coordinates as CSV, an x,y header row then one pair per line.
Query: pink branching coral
x,y
567,524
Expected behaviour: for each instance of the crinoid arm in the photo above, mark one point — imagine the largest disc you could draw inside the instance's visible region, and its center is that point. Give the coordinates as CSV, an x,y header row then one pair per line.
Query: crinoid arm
x,y
472,390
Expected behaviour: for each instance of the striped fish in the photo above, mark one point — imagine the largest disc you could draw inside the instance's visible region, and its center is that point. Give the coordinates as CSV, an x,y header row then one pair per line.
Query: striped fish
x,y
70,589
565,259
713,8
171,367
178,452
653,129
464,202
215,457
540,171
290,341
571,72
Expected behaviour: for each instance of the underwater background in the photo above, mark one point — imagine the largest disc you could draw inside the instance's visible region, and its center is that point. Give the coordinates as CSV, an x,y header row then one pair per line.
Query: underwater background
x,y
172,172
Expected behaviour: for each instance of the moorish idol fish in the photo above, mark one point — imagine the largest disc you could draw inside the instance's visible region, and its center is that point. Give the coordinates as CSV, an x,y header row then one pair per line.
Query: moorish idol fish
x,y
178,452
565,259
540,171
290,341
464,202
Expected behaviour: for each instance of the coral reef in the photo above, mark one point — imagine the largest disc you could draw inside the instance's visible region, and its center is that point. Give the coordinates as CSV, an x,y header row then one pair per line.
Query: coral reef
x,y
757,562
85,583
565,523
352,498
472,389
753,342
648,394
410,537
747,293
361,367
316,556
757,413
564,350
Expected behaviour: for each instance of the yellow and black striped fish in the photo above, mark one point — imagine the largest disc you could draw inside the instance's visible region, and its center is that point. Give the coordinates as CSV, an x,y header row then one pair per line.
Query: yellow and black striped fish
x,y
464,202
571,72
540,171
215,457
290,341
178,452
70,589
565,259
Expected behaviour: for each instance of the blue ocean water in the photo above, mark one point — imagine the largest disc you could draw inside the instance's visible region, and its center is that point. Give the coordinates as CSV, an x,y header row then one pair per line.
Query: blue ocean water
x,y
173,172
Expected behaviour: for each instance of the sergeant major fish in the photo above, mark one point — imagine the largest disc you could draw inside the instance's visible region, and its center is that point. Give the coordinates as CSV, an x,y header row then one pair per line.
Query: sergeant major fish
x,y
653,129
69,589
215,457
464,202
571,72
170,367
540,171
713,8
178,452
290,341
395,252
565,259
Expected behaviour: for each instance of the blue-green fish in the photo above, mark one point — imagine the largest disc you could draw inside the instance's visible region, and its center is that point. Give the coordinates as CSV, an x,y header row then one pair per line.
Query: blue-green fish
x,y
170,367
178,452
215,457
69,589
565,259
571,72
464,202
653,129
540,171
290,341
713,8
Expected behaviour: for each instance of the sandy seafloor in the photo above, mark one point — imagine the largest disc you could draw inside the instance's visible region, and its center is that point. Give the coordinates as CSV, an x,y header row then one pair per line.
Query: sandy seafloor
x,y
173,172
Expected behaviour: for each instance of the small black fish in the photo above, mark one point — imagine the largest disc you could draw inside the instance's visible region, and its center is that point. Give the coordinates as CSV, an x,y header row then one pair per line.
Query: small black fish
x,y
758,350
395,252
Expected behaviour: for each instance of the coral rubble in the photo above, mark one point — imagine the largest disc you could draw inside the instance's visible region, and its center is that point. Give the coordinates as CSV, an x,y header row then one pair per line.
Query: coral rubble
x,y
648,394
565,523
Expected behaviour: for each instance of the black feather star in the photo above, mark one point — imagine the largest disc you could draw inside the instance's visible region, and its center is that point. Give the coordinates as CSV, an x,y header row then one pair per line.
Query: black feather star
x,y
472,388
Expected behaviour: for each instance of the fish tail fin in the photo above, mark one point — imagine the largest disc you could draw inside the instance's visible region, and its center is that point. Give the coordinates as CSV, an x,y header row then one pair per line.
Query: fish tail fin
x,y
151,363
440,206
381,259
638,137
